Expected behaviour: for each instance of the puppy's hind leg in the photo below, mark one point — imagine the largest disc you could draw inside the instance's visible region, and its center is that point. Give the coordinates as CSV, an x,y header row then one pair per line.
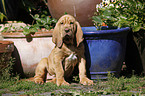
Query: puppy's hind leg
x,y
41,71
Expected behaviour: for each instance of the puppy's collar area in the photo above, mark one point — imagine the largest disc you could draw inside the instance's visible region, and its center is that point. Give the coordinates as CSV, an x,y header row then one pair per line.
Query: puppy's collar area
x,y
72,56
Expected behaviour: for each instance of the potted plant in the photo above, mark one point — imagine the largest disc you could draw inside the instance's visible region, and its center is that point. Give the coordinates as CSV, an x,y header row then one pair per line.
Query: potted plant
x,y
127,13
105,48
32,41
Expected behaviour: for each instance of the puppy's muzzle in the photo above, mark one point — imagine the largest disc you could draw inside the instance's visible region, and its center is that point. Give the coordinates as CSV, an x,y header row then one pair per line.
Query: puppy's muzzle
x,y
67,30
68,36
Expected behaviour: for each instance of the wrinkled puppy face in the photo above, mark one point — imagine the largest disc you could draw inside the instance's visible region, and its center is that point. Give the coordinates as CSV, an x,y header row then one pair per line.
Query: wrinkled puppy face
x,y
67,28
68,31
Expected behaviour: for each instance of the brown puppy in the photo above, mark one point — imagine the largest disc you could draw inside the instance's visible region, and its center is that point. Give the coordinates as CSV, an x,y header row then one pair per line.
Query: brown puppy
x,y
68,52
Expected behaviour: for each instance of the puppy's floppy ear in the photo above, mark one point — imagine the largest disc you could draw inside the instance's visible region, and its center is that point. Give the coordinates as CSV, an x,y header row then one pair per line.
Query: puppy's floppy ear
x,y
79,34
56,36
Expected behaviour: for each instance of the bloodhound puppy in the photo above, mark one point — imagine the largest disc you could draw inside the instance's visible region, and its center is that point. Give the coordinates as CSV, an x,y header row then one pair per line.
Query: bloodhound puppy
x,y
68,52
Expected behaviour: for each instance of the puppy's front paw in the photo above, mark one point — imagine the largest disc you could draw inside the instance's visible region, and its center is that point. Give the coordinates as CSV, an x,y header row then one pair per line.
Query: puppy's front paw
x,y
86,81
39,80
62,82
51,81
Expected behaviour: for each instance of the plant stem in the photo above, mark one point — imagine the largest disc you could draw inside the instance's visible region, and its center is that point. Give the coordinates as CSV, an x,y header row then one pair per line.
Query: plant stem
x,y
3,2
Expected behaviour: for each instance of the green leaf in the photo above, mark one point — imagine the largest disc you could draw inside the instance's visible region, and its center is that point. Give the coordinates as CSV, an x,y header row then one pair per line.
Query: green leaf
x,y
47,27
107,13
54,20
43,21
65,13
97,19
5,29
47,18
136,27
108,17
36,26
26,32
2,16
36,16
33,30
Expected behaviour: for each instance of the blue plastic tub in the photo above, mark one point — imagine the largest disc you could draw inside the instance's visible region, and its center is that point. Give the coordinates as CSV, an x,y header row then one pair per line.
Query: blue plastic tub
x,y
104,50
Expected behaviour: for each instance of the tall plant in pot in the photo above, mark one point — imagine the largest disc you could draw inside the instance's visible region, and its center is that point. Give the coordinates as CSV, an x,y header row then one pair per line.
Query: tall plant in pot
x,y
127,13
105,48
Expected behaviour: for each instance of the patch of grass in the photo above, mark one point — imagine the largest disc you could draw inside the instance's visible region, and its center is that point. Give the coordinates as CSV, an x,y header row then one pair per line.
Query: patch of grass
x,y
111,86
30,87
121,86
2,92
134,85
115,84
26,85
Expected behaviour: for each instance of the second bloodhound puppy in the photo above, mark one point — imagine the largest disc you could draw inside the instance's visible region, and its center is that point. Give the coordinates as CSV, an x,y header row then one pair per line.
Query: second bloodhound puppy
x,y
68,52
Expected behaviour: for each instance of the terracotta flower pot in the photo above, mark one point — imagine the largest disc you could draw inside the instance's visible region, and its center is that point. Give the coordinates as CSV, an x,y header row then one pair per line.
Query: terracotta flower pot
x,y
6,46
82,10
29,50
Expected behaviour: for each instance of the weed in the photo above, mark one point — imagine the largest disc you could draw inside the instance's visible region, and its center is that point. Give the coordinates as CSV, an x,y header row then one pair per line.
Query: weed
x,y
128,94
143,91
2,91
6,66
115,84
76,78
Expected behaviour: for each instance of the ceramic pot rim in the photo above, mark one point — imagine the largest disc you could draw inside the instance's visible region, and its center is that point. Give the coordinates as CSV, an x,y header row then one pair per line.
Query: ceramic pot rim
x,y
106,30
21,35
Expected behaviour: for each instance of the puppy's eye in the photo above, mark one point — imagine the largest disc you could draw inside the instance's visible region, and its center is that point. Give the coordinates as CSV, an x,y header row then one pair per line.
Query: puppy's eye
x,y
71,22
61,22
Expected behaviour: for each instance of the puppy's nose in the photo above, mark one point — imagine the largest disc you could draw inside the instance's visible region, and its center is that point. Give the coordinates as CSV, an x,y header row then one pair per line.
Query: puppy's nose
x,y
67,30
